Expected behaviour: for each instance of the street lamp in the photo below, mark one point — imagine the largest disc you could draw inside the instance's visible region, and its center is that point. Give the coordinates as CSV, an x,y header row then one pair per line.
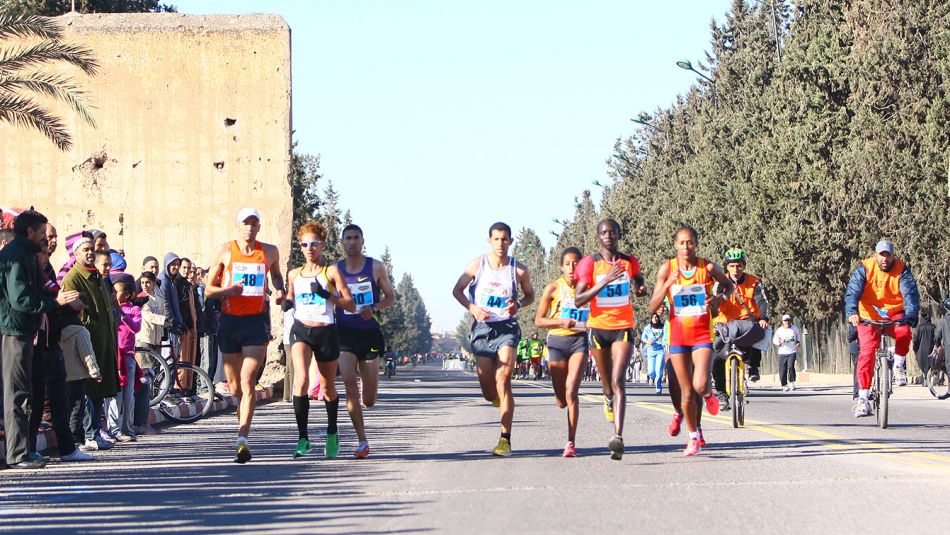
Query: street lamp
x,y
644,119
778,50
688,66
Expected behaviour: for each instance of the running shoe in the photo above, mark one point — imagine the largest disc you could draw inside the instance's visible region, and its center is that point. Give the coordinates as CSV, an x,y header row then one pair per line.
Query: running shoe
x,y
362,450
785,388
496,402
609,409
303,448
674,428
692,447
712,404
242,453
76,456
503,449
616,447
754,374
862,408
723,401
569,450
900,374
315,393
702,439
791,387
332,448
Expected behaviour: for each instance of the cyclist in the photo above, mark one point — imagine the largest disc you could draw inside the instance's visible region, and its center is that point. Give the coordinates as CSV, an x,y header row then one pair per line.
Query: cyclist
x,y
686,282
605,281
747,302
881,288
535,349
567,341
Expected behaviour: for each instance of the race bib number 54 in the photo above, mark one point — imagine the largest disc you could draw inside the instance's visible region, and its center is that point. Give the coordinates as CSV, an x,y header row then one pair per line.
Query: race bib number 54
x,y
251,276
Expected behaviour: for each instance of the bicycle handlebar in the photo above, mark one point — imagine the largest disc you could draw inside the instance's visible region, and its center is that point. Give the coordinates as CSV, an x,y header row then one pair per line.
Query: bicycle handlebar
x,y
876,323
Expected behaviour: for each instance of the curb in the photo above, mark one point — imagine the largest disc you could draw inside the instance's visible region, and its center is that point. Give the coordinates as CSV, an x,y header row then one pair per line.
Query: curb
x,y
47,438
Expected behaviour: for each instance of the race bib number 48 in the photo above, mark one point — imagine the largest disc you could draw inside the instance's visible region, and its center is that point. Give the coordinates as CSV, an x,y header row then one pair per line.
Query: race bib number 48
x,y
251,276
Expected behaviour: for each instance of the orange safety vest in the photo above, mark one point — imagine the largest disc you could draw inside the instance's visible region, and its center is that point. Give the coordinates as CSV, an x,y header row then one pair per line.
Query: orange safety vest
x,y
882,289
251,271
732,309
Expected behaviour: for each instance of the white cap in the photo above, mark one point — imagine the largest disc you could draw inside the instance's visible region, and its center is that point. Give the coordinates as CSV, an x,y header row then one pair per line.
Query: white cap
x,y
245,213
786,317
884,246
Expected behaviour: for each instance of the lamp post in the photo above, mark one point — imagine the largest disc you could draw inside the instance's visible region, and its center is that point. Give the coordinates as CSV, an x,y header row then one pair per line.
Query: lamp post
x,y
688,66
644,119
778,50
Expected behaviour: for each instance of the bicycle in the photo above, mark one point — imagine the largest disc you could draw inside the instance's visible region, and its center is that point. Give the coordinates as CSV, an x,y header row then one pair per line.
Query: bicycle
x,y
173,380
882,383
736,387
937,380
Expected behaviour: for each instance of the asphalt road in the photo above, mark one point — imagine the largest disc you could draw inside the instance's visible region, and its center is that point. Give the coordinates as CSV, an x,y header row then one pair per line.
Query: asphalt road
x,y
803,465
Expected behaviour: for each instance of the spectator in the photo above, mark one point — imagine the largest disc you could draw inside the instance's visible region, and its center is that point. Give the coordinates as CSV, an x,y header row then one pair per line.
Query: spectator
x,y
186,298
150,264
787,337
150,337
168,296
99,319
923,343
6,236
653,346
130,322
23,301
942,337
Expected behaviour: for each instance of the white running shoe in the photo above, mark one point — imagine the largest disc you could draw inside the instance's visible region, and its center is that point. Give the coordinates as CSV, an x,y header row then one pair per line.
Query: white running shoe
x,y
791,386
76,456
785,388
900,374
862,408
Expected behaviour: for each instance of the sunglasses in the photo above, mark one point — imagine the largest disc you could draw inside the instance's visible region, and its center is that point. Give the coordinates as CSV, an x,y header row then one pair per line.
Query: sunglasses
x,y
306,244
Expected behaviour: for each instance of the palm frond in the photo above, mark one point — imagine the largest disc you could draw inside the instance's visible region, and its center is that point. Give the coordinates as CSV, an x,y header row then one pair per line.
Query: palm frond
x,y
24,112
29,26
17,58
59,87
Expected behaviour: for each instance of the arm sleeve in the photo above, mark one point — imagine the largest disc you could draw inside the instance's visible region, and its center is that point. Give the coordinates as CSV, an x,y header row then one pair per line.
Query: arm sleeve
x,y
761,301
135,319
19,294
855,289
584,271
635,275
911,295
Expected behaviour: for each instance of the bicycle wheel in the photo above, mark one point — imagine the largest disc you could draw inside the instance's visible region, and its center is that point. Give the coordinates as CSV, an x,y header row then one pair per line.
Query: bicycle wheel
x,y
150,360
885,392
197,395
734,399
937,382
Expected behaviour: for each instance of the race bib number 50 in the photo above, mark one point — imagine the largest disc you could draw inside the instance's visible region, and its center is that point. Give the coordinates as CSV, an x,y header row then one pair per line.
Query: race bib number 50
x,y
251,276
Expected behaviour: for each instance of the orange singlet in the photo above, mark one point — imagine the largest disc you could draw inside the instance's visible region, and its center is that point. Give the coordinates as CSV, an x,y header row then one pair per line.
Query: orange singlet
x,y
251,271
690,324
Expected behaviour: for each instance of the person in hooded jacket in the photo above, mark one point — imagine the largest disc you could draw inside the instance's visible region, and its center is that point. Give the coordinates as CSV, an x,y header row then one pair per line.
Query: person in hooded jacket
x,y
168,295
923,343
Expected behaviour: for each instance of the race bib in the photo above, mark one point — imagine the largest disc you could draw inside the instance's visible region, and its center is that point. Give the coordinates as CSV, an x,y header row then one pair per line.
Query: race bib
x,y
570,312
616,294
495,299
317,302
362,295
689,300
251,276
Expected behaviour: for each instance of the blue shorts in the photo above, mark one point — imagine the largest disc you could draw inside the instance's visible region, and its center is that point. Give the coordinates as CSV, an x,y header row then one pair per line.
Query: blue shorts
x,y
237,332
683,350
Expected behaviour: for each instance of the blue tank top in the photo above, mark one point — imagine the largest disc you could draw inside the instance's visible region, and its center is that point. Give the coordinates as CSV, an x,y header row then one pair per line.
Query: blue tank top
x,y
365,292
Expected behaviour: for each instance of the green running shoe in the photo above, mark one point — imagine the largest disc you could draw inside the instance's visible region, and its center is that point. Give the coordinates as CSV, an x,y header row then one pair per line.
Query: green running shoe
x,y
303,448
333,445
242,453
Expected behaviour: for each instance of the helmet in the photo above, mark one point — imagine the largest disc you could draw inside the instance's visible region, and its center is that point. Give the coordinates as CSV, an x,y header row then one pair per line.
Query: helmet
x,y
946,305
735,255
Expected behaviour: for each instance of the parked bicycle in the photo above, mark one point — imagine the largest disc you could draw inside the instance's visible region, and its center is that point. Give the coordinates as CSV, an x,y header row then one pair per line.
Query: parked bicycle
x,y
175,382
937,380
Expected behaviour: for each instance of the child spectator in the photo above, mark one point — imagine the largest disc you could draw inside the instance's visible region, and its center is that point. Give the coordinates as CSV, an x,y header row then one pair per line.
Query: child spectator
x,y
149,337
130,323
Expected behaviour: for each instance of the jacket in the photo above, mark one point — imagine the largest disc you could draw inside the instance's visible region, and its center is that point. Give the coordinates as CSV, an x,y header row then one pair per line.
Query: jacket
x,y
167,292
23,301
942,336
99,320
153,321
908,289
78,354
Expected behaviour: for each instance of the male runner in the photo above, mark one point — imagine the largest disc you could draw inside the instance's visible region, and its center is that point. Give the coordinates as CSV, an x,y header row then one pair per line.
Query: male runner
x,y
238,275
535,351
361,339
604,280
492,281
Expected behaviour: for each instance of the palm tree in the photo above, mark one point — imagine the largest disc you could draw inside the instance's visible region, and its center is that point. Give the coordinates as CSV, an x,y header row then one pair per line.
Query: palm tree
x,y
28,45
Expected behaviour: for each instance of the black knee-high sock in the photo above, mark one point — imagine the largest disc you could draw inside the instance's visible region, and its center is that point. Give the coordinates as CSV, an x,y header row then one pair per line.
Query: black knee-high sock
x,y
302,412
332,408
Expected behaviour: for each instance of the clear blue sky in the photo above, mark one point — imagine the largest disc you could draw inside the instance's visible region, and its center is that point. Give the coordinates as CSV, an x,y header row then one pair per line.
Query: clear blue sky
x,y
435,119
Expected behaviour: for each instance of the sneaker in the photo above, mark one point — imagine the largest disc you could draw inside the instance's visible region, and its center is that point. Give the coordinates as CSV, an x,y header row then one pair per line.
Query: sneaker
x,y
569,450
146,430
315,393
332,447
785,388
609,409
754,374
503,449
900,375
496,402
692,448
122,437
105,434
303,448
712,404
76,456
242,453
97,444
791,387
862,408
723,401
31,462
674,428
702,439
616,447
362,450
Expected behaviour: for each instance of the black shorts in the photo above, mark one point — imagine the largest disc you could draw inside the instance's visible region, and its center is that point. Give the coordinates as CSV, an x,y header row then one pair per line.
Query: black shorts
x,y
366,344
237,332
604,338
323,341
561,348
488,338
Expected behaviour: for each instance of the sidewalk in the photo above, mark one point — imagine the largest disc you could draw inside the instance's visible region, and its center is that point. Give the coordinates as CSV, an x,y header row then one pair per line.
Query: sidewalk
x,y
811,380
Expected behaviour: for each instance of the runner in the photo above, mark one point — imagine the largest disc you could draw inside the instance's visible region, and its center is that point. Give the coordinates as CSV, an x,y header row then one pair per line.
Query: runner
x,y
604,281
361,339
238,278
567,341
492,282
535,351
314,333
686,282
521,371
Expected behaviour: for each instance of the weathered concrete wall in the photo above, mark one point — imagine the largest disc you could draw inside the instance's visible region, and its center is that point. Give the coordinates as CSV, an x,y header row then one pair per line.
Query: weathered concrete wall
x,y
194,122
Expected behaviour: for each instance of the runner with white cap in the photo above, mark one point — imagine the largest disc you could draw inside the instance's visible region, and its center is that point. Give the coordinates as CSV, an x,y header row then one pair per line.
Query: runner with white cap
x,y
238,279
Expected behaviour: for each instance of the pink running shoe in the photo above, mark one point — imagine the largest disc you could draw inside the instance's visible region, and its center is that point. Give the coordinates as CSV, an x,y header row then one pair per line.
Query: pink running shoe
x,y
702,440
692,447
316,393
712,404
674,427
569,450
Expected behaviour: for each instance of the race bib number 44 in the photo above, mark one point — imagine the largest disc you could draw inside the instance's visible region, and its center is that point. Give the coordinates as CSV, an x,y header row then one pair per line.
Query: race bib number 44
x,y
616,294
251,276
689,300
